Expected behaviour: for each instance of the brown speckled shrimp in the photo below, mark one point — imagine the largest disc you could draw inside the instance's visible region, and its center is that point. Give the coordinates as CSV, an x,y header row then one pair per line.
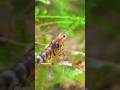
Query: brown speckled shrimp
x,y
54,49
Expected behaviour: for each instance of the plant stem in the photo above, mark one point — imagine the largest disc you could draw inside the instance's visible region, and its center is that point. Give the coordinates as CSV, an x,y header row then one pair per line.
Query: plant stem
x,y
56,22
61,17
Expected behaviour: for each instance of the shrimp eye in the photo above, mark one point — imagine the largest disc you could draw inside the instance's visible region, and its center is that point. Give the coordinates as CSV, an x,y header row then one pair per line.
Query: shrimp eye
x,y
64,36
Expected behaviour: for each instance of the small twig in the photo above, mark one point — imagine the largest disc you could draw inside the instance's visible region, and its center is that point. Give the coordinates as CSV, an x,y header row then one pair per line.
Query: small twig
x,y
65,63
46,63
74,52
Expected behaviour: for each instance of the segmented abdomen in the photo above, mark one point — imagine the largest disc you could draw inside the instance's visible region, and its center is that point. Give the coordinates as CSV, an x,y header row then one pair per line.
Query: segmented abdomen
x,y
53,50
49,52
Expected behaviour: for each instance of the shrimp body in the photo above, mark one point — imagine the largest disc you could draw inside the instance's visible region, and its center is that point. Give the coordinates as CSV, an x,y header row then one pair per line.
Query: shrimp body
x,y
53,49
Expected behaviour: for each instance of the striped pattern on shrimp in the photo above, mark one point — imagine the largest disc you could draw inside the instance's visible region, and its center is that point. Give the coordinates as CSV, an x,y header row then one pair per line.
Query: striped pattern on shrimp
x,y
54,49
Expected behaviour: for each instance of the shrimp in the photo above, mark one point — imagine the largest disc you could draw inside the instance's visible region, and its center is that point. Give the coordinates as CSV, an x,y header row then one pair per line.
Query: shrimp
x,y
54,49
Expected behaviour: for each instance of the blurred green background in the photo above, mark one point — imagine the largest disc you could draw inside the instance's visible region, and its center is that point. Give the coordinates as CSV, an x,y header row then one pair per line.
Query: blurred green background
x,y
16,31
102,44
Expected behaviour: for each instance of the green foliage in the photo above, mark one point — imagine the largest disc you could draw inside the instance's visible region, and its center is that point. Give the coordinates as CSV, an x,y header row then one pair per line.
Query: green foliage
x,y
59,74
66,19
